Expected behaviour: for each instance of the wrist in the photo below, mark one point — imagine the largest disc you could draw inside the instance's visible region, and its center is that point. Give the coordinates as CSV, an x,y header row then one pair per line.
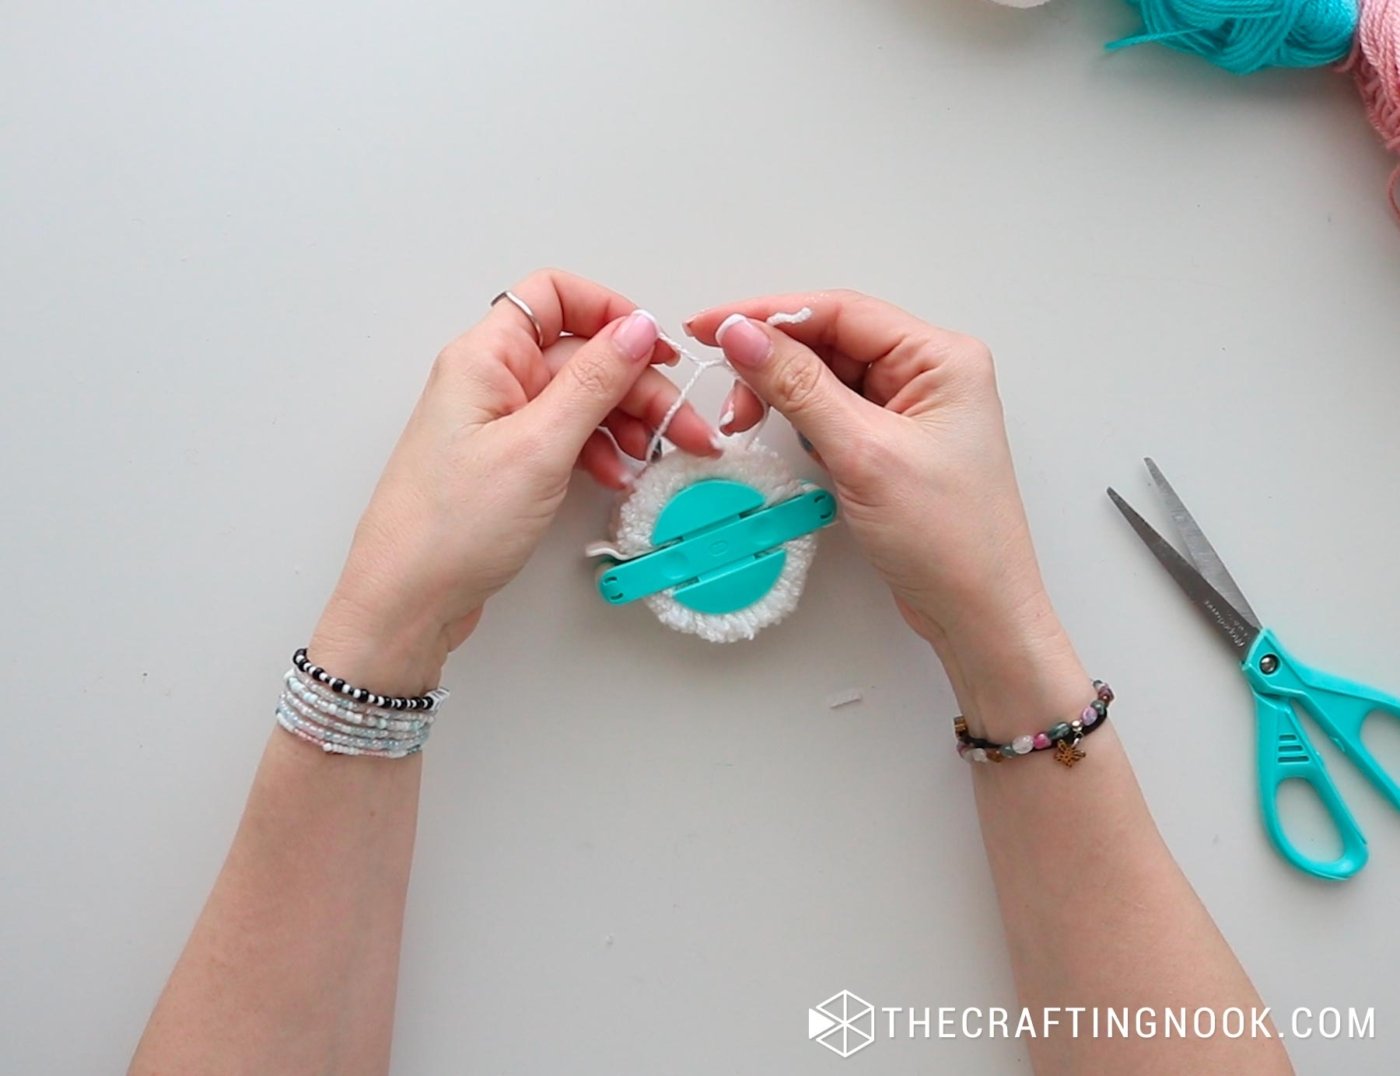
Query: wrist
x,y
383,652
1016,675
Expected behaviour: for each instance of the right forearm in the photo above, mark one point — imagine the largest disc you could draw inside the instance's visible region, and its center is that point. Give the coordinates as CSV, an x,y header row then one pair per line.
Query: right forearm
x,y
907,420
1096,911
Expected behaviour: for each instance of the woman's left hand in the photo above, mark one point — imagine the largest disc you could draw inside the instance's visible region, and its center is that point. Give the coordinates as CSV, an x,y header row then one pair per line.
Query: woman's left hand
x,y
483,465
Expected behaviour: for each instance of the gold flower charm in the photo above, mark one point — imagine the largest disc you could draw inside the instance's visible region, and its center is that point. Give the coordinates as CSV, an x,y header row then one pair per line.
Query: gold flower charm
x,y
1067,753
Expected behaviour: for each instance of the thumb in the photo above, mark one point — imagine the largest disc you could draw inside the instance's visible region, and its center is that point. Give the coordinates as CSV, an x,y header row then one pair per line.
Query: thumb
x,y
793,380
594,380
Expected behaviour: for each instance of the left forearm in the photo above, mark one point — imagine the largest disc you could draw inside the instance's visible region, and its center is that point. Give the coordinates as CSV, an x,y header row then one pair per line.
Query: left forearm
x,y
293,963
292,966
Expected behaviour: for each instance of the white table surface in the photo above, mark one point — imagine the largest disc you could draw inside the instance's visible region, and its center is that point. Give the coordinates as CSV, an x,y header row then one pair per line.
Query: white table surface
x,y
232,242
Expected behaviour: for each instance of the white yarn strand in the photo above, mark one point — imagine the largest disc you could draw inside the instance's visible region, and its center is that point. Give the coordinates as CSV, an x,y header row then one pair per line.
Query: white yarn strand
x,y
796,318
702,364
662,477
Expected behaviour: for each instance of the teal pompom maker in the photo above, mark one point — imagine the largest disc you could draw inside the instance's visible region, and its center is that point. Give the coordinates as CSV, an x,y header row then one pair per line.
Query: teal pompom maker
x,y
718,547
715,547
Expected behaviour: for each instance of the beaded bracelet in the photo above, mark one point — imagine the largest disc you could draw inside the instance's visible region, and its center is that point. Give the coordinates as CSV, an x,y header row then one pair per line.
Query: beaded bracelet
x,y
307,724
373,737
336,743
313,694
1063,737
316,717
345,720
340,687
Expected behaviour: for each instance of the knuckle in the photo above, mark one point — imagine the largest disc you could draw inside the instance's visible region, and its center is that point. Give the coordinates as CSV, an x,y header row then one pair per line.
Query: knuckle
x,y
450,362
591,375
650,398
866,456
797,384
467,361
973,350
974,358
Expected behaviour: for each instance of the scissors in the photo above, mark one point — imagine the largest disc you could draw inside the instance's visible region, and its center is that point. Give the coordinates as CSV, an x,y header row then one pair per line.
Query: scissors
x,y
1278,680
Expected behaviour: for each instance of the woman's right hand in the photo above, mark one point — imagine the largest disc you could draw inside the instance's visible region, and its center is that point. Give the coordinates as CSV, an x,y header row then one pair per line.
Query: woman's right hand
x,y
907,420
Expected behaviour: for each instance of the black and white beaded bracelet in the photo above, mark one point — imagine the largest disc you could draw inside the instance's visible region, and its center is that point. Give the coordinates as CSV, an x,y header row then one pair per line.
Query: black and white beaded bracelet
x,y
340,687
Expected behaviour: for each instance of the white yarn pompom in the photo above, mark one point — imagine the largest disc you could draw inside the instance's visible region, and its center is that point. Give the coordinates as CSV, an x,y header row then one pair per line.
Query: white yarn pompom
x,y
752,464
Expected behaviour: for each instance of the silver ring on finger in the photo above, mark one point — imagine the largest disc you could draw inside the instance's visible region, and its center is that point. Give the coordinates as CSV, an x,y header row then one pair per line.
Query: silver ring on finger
x,y
524,307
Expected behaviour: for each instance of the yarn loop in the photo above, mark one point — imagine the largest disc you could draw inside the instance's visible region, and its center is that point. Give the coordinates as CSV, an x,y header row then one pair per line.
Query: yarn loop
x,y
1247,35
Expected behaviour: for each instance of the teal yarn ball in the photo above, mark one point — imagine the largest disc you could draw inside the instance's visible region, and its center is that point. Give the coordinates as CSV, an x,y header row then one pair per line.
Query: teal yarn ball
x,y
1248,35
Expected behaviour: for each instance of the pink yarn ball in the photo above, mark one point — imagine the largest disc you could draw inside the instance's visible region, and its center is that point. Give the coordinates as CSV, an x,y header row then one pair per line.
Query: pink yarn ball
x,y
1375,63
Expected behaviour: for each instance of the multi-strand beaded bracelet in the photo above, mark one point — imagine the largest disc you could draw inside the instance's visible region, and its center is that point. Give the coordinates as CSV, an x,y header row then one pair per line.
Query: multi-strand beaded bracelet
x,y
343,719
1063,738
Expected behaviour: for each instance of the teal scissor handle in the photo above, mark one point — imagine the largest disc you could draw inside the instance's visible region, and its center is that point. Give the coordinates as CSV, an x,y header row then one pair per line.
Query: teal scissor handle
x,y
1286,754
1340,708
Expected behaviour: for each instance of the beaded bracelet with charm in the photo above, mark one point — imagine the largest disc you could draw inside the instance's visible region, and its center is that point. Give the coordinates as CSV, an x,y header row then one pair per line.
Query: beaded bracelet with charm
x,y
1062,738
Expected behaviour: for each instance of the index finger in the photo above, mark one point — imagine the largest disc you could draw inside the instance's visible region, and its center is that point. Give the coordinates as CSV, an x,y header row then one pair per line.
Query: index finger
x,y
566,303
649,400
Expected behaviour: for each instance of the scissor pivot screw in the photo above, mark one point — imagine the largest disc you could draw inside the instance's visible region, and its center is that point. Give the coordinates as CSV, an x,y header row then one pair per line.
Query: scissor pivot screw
x,y
1268,664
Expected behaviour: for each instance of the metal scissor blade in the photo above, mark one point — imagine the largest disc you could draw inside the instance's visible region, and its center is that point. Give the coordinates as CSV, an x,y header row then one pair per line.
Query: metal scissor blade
x,y
1233,627
1199,551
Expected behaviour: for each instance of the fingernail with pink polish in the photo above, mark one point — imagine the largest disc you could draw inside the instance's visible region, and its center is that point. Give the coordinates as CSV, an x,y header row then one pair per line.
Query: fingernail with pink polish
x,y
744,343
637,335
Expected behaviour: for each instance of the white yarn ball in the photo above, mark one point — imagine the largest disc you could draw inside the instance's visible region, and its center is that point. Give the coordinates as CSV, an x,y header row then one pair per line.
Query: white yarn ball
x,y
1022,4
753,465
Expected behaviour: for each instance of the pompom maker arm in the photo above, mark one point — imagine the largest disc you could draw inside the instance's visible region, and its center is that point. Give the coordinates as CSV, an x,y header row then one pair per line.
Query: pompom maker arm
x,y
717,547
